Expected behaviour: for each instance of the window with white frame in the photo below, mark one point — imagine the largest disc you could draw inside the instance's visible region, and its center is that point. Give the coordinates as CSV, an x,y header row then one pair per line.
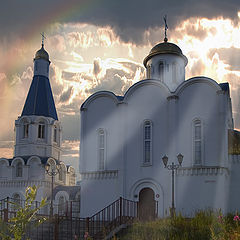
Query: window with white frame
x,y
161,70
197,142
41,130
147,142
19,169
101,149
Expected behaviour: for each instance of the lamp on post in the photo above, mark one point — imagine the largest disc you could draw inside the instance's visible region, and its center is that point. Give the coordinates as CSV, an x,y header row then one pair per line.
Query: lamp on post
x,y
52,173
172,167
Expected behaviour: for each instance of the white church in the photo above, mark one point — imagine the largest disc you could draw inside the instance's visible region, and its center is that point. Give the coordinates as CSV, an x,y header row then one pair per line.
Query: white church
x,y
124,138
37,145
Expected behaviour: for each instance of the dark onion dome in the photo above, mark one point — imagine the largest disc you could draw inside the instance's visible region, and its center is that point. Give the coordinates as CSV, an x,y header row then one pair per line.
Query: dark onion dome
x,y
165,48
42,54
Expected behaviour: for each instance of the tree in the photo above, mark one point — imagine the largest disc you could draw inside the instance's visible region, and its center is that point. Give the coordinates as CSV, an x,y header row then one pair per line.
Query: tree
x,y
25,215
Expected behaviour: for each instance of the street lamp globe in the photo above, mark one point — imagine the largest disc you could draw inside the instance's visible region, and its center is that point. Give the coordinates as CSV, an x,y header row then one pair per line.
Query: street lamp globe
x,y
180,159
47,167
165,160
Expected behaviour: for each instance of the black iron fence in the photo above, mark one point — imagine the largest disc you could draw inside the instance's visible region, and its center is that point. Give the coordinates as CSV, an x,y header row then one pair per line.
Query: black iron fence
x,y
64,224
122,211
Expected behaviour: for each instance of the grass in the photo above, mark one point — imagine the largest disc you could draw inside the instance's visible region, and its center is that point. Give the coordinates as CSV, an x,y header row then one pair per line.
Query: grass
x,y
206,225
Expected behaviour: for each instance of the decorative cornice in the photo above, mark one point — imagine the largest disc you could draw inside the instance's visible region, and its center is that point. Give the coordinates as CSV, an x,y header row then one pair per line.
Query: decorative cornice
x,y
107,174
202,171
25,183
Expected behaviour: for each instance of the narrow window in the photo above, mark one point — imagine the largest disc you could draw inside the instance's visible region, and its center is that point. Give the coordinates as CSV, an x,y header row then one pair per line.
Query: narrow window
x,y
60,176
61,204
101,149
55,134
25,130
19,169
147,142
197,142
161,70
174,72
41,130
148,71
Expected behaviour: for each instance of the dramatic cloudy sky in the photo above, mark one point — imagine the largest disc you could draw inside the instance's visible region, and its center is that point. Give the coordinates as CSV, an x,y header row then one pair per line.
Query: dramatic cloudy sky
x,y
100,45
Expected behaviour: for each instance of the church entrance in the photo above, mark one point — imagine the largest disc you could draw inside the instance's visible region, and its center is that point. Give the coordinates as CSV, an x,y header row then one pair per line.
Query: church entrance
x,y
147,205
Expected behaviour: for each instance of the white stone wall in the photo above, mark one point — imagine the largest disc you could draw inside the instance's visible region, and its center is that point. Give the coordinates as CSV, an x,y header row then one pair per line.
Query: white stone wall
x,y
172,116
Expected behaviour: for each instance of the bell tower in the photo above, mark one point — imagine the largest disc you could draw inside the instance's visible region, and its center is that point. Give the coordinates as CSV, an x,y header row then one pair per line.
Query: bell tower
x,y
38,131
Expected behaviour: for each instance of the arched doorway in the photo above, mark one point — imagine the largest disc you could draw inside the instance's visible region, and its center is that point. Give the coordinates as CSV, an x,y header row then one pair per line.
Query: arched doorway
x,y
147,204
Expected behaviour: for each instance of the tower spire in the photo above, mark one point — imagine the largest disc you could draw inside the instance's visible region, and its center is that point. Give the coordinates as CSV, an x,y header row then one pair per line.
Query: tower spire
x,y
166,28
43,37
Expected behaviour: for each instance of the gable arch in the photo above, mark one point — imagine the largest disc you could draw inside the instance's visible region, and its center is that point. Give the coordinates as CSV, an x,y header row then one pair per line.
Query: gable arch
x,y
4,160
24,119
34,158
96,95
61,194
144,82
42,119
155,186
16,160
212,83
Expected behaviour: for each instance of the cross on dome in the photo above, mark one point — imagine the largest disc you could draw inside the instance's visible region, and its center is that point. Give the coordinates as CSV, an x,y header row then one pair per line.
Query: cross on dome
x,y
166,28
43,37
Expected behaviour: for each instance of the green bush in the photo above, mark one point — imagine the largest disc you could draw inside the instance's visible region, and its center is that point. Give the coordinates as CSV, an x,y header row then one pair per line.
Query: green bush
x,y
206,225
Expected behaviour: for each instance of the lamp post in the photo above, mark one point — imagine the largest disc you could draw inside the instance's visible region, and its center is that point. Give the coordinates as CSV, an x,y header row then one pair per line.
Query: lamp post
x,y
52,174
172,167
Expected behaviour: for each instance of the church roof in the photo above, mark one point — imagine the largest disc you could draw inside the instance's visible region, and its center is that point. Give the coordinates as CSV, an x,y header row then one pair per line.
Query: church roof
x,y
40,100
165,48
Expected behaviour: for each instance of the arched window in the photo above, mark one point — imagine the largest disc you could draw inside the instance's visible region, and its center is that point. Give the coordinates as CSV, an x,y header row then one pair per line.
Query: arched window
x,y
148,71
161,70
60,174
55,134
61,204
41,130
25,129
19,169
101,149
174,72
147,142
197,142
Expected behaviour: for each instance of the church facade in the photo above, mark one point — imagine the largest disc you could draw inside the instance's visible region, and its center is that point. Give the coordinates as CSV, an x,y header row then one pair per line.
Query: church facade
x,y
37,144
123,140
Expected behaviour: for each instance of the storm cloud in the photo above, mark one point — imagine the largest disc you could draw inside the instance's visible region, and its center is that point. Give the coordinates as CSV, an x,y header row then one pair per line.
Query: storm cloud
x,y
129,19
229,56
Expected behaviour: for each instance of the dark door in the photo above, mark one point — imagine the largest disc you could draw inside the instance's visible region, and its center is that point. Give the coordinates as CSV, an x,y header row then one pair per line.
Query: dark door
x,y
147,205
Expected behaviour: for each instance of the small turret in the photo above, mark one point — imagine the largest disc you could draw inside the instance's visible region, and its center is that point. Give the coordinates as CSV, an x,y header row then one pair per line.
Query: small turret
x,y
41,61
166,63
